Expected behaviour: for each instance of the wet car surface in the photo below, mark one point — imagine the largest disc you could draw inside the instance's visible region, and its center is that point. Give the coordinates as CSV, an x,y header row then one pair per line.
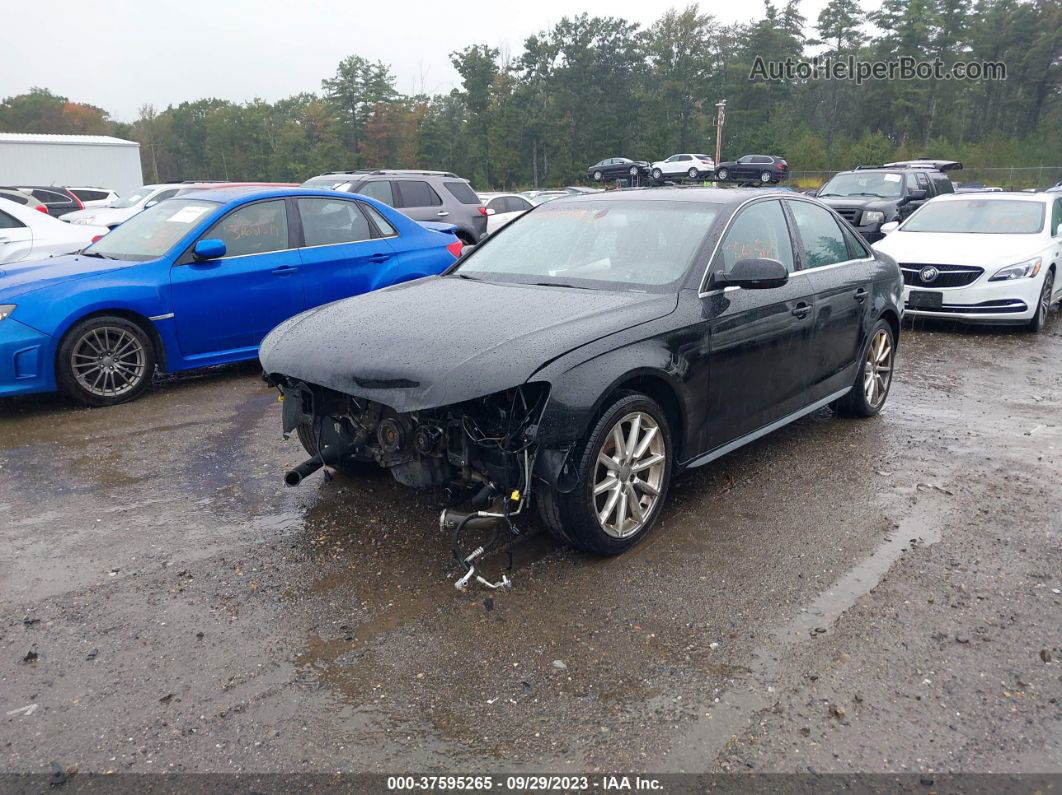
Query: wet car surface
x,y
842,595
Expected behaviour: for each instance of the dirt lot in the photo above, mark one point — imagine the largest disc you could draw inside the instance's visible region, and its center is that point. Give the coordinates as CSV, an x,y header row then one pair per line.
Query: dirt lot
x,y
844,595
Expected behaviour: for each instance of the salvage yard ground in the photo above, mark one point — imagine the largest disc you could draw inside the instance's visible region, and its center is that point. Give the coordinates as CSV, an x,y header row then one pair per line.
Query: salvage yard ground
x,y
841,596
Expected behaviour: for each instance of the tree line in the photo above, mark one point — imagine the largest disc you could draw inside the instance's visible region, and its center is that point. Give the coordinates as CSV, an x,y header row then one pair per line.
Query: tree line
x,y
592,87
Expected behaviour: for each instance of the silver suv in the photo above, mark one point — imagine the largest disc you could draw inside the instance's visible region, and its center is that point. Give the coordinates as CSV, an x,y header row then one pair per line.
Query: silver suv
x,y
422,195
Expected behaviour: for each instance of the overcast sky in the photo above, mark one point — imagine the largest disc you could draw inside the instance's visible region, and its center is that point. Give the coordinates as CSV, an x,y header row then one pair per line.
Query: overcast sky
x,y
122,54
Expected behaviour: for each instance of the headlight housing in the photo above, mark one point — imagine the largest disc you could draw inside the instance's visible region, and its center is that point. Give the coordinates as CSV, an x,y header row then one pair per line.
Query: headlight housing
x,y
1023,270
873,217
6,310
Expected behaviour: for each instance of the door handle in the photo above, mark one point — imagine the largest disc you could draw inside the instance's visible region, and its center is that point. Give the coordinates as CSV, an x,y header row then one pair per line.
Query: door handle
x,y
860,295
379,257
285,270
801,310
442,213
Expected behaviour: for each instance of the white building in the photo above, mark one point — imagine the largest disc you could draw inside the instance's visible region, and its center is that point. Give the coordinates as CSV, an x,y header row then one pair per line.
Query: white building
x,y
65,160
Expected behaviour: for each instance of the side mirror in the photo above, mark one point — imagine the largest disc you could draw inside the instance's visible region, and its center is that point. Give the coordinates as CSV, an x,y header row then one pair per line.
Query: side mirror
x,y
211,248
890,227
491,211
753,274
916,195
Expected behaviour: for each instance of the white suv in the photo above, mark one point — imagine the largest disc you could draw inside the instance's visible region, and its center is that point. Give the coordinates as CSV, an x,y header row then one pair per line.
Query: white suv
x,y
981,257
683,167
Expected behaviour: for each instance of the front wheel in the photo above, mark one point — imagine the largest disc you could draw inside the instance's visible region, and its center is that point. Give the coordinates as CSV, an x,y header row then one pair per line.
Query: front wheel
x,y
874,377
658,174
104,361
633,171
692,173
722,174
1039,320
598,176
624,467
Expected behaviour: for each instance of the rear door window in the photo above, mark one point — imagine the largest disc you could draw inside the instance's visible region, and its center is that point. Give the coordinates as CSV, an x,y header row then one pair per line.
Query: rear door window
x,y
416,193
51,197
759,231
462,191
820,235
382,224
379,190
90,195
253,229
327,222
9,221
514,204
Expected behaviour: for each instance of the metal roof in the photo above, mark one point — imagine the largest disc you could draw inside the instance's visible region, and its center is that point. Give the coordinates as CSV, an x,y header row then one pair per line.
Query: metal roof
x,y
37,138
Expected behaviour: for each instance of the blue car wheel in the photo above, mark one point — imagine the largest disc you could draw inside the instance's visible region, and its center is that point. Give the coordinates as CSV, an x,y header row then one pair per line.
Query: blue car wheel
x,y
105,360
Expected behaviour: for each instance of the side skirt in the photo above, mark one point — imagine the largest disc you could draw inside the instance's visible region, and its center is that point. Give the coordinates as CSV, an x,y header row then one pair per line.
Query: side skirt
x,y
741,441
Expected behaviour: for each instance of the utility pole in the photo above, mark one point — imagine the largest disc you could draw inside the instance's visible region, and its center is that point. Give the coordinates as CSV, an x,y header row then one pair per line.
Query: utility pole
x,y
720,120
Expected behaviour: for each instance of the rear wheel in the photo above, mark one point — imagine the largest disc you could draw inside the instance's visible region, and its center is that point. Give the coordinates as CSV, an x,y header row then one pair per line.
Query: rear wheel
x,y
633,171
765,177
1039,320
658,174
692,173
623,467
722,174
598,176
105,360
874,377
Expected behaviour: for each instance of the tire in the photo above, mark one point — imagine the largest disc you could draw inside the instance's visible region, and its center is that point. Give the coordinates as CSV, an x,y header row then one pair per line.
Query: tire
x,y
598,176
104,361
866,397
722,174
692,173
633,171
575,517
765,177
658,174
1039,320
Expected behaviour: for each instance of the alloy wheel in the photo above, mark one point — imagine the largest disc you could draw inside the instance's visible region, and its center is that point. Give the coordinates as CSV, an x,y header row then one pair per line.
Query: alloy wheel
x,y
108,361
765,176
723,174
1045,295
693,173
629,474
877,370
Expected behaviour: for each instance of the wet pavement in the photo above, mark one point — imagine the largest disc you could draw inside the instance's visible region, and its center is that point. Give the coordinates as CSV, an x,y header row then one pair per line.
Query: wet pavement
x,y
844,595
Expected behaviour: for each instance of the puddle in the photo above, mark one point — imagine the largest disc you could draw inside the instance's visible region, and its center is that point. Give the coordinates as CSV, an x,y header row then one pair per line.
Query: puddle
x,y
720,722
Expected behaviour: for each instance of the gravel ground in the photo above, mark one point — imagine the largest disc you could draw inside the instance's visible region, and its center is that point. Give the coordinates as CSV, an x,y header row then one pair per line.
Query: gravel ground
x,y
842,596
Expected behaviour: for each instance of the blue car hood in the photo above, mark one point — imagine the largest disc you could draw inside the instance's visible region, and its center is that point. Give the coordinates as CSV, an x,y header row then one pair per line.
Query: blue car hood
x,y
19,278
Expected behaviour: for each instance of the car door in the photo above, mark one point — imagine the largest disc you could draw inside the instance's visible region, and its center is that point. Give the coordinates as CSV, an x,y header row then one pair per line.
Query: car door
x,y
341,253
838,266
742,168
225,305
16,239
759,340
417,199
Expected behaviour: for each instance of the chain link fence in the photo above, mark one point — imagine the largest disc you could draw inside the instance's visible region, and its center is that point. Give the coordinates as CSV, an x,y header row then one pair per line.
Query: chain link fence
x,y
1006,177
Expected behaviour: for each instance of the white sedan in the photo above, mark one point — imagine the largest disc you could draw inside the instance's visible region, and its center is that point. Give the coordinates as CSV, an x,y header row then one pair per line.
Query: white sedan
x,y
28,234
981,257
501,208
683,167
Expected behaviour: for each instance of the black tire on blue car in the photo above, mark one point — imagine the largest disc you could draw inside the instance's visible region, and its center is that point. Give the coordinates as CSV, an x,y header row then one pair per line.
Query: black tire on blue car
x,y
105,360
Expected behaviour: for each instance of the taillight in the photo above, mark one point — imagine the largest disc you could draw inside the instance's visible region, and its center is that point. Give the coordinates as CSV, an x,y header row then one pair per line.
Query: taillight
x,y
42,208
482,210
95,238
455,248
783,164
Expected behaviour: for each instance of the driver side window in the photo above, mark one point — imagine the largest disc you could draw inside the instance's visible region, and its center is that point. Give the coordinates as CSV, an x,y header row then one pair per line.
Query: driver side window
x,y
759,231
253,229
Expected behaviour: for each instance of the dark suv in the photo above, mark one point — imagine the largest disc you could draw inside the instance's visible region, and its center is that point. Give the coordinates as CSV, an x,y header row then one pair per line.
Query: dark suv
x,y
422,195
870,196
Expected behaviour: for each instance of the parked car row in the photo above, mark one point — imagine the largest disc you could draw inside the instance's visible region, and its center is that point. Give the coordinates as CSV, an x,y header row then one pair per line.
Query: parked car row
x,y
759,169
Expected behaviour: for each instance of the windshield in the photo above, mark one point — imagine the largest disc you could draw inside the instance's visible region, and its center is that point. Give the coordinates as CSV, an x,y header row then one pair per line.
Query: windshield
x,y
604,245
134,198
979,217
324,183
865,183
150,234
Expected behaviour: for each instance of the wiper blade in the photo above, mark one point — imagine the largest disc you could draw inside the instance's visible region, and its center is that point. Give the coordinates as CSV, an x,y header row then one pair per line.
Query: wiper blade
x,y
561,284
465,276
95,254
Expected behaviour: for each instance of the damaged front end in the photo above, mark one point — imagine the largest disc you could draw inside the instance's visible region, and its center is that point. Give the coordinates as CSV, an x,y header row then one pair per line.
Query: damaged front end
x,y
478,453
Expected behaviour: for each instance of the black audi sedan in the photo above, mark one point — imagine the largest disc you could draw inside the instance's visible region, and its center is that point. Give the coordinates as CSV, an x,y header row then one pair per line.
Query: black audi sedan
x,y
593,348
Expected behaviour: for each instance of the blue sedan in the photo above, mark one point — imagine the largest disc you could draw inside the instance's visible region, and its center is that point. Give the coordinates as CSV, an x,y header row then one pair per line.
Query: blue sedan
x,y
198,281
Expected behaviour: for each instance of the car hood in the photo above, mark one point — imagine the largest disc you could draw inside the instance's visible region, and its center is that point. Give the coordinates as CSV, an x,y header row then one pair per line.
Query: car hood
x,y
102,216
862,202
443,340
20,278
935,248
